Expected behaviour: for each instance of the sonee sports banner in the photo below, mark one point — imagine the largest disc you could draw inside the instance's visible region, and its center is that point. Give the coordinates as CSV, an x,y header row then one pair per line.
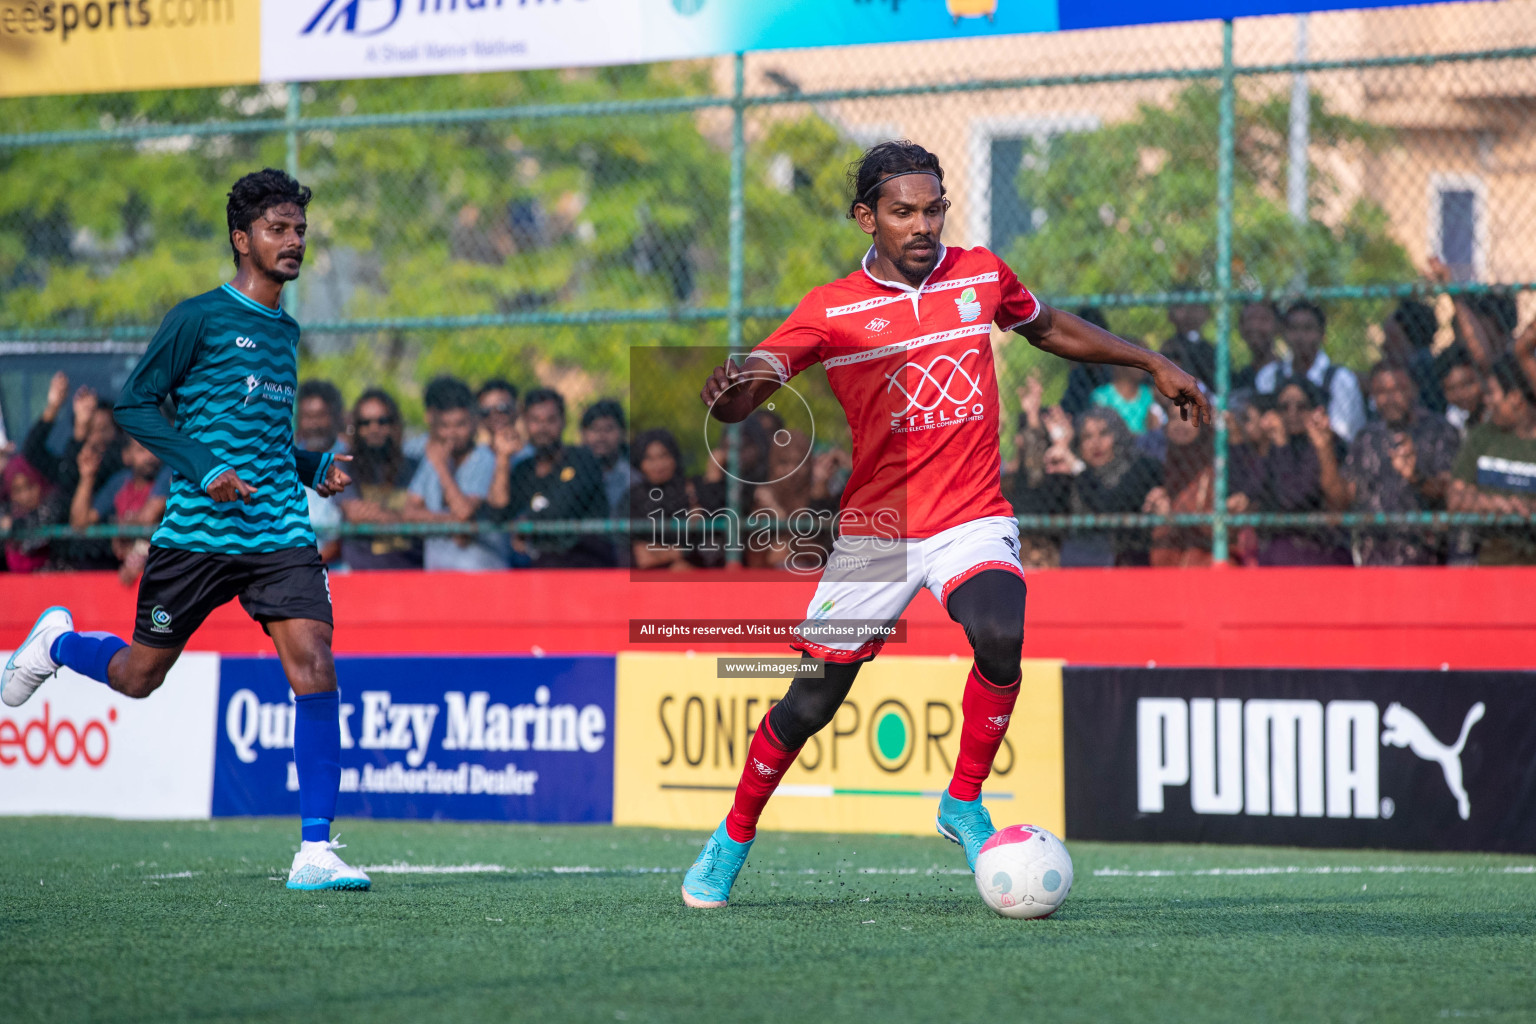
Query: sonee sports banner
x,y
1396,760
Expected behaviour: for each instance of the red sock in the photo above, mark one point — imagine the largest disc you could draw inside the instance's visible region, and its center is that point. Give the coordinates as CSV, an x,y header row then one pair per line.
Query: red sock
x,y
985,709
766,764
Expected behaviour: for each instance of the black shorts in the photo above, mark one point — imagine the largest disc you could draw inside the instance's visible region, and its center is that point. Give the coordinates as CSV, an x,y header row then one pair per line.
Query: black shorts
x,y
180,588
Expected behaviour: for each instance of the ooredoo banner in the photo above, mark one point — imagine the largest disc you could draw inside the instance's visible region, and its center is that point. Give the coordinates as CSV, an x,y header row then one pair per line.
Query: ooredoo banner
x,y
467,738
79,748
1392,759
682,735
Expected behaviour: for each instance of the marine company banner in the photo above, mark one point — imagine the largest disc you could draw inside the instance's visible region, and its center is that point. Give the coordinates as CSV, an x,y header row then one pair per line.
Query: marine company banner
x,y
101,45
79,748
682,734
68,46
1391,759
466,738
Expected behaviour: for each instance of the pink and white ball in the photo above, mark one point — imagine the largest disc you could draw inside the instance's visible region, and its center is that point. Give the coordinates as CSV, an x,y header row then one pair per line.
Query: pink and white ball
x,y
1024,871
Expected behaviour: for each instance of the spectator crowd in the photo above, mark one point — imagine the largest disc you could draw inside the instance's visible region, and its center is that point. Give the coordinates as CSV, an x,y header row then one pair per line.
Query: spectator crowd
x,y
1424,430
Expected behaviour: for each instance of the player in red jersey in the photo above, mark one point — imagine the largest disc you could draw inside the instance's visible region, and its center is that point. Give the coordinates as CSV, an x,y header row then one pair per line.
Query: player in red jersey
x,y
906,343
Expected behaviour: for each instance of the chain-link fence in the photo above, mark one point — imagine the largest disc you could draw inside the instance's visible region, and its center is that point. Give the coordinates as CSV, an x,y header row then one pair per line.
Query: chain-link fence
x,y
1326,218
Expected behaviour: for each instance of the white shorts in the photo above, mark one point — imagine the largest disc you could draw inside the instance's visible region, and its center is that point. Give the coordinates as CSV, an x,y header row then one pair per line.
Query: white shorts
x,y
869,581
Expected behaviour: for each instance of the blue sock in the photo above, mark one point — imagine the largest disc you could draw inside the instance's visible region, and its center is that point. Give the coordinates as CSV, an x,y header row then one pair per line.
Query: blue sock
x,y
317,758
86,653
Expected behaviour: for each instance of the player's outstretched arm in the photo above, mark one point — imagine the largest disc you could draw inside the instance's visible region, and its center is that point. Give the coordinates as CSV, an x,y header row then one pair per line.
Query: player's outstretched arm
x,y
732,392
1062,334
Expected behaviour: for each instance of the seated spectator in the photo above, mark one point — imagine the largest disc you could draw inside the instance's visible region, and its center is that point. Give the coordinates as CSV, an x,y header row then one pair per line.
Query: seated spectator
x,y
1247,445
452,481
559,482
497,401
1129,394
1304,327
660,495
602,432
1408,336
1025,482
713,485
1495,471
134,495
1462,386
27,499
1399,463
381,477
1106,474
1258,325
319,411
1188,487
790,526
1292,478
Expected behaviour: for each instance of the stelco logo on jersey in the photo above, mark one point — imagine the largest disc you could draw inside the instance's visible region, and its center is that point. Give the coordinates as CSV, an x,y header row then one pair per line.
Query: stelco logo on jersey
x,y
942,392
879,766
1408,760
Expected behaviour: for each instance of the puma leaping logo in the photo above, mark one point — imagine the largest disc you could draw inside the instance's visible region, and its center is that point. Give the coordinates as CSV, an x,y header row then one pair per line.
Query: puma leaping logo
x,y
1406,729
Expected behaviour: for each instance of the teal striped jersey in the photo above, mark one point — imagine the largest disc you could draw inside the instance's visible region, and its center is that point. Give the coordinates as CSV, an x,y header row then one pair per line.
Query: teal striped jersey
x,y
230,365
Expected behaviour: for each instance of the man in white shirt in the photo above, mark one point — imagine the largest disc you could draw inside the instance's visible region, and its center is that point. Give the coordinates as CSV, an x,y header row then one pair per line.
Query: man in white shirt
x,y
1303,329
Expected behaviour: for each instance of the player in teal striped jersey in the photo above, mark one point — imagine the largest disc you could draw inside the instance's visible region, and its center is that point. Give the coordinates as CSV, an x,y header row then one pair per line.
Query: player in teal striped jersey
x,y
237,522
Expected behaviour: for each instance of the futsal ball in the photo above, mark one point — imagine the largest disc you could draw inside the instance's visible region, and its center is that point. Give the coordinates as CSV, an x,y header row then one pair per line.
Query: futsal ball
x,y
1024,871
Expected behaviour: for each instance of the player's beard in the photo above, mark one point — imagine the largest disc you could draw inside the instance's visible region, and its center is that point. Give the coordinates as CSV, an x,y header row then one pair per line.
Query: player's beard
x,y
918,267
274,271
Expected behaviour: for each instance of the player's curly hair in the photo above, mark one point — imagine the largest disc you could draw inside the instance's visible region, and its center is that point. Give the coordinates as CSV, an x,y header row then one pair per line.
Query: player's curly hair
x,y
887,160
255,194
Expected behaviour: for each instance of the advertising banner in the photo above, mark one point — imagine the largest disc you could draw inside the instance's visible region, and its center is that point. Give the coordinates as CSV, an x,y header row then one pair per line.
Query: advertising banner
x,y
463,738
78,747
69,46
682,733
1388,759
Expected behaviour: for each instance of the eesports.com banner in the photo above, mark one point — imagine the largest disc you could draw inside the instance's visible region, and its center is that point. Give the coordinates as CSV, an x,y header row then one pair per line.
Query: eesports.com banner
x,y
682,735
68,46
471,738
1389,759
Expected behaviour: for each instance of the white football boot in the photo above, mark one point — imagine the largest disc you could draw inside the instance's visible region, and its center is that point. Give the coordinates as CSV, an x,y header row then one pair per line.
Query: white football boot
x,y
32,664
316,867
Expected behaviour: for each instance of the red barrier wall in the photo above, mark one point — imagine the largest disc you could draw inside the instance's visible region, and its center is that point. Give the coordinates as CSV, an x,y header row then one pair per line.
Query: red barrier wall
x,y
1368,618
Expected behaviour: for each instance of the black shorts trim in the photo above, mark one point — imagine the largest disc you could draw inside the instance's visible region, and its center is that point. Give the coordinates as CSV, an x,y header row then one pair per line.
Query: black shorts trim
x,y
180,589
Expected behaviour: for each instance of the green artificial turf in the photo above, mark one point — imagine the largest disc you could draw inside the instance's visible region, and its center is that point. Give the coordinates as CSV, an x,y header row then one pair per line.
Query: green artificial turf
x,y
123,921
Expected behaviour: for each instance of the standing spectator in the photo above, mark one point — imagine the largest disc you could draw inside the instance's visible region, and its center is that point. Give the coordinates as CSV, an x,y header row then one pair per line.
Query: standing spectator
x,y
1130,395
1304,327
661,496
381,477
602,431
26,500
319,412
560,481
1292,477
1496,469
1247,448
1399,463
1408,335
1462,386
1258,325
1188,347
1030,491
1084,378
134,495
1106,475
452,481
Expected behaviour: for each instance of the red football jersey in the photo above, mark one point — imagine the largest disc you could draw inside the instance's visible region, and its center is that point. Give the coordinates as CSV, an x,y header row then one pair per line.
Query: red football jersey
x,y
913,370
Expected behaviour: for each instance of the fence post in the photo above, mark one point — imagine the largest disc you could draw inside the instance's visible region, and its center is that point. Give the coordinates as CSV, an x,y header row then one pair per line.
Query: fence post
x,y
1224,159
738,273
291,137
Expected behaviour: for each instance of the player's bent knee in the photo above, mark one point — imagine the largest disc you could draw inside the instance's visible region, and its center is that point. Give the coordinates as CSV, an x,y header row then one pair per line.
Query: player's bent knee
x,y
141,683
